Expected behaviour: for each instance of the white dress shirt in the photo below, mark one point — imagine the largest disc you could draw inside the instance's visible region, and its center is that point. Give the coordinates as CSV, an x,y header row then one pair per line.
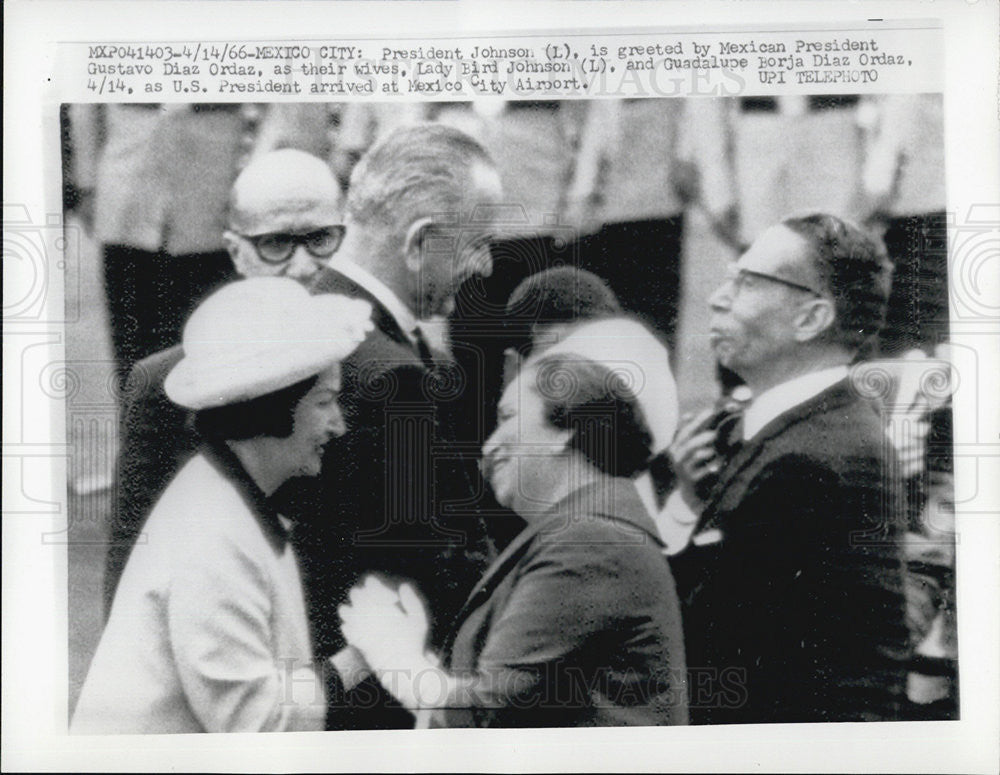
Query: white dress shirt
x,y
781,398
676,521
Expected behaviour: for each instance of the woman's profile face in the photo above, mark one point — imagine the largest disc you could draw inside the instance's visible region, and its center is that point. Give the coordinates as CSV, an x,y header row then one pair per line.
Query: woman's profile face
x,y
525,458
317,419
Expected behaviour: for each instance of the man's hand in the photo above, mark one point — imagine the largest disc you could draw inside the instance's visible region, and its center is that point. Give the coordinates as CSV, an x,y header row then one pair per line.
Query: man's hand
x,y
694,457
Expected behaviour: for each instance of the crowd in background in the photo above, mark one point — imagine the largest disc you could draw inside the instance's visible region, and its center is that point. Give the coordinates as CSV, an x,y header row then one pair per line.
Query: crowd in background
x,y
602,188
604,185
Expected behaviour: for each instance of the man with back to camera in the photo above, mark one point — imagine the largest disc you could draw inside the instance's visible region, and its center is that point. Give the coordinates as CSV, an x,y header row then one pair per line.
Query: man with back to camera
x,y
792,584
284,220
419,218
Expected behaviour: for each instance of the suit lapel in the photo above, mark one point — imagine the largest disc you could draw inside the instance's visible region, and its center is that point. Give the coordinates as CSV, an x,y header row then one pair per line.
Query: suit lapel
x,y
833,397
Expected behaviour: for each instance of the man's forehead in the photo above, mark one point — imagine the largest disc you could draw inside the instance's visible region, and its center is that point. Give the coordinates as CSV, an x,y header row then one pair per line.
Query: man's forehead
x,y
265,216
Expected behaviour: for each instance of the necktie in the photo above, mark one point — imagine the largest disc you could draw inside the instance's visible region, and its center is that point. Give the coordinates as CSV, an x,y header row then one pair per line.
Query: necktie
x,y
423,348
728,424
729,432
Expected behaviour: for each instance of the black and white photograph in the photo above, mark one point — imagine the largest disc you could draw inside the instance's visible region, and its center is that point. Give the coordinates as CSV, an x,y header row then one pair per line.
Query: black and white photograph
x,y
517,412
437,527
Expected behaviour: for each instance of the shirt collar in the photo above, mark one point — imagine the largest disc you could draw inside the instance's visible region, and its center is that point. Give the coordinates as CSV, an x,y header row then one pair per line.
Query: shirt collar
x,y
275,527
405,319
776,401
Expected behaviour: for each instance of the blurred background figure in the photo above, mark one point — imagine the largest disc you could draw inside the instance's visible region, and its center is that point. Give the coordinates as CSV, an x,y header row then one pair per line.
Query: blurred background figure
x,y
932,687
783,149
903,185
915,403
153,182
640,165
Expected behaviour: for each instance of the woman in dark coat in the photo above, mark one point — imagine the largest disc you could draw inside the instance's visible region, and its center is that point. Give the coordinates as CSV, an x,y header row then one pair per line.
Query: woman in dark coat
x,y
577,622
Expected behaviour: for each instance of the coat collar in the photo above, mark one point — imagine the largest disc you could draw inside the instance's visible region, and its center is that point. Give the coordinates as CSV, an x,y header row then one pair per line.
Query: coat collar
x,y
332,280
618,502
224,460
837,395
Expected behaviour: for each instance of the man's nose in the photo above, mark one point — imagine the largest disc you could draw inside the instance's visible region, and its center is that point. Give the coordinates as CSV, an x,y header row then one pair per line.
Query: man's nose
x,y
490,445
722,297
301,265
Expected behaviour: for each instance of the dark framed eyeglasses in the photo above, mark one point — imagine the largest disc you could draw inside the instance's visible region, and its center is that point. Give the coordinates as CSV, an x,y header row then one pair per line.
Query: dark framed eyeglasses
x,y
738,277
277,247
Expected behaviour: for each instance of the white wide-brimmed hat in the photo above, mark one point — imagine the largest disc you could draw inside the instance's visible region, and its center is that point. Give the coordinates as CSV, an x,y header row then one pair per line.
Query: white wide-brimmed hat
x,y
629,349
259,335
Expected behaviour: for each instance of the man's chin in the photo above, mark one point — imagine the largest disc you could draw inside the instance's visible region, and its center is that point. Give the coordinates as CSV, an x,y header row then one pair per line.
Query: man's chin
x,y
723,354
442,308
310,470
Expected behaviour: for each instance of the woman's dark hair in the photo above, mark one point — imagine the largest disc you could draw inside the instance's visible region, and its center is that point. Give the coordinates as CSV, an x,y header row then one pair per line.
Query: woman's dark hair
x,y
597,405
564,294
272,414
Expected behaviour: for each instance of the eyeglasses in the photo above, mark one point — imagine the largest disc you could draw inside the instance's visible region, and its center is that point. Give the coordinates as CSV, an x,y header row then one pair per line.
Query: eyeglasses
x,y
743,278
277,247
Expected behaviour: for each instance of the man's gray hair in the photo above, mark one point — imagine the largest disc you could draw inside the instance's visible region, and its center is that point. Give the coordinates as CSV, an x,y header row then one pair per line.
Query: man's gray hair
x,y
416,171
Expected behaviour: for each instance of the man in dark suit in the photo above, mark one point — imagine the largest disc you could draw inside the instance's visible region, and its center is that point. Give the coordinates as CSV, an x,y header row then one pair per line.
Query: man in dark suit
x,y
396,494
284,219
792,585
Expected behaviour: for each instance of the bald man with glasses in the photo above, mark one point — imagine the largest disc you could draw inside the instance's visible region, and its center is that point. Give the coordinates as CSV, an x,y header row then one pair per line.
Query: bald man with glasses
x,y
284,219
792,583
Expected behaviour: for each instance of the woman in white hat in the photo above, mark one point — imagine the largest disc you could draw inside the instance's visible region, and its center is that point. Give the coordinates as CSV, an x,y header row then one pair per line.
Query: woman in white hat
x,y
208,630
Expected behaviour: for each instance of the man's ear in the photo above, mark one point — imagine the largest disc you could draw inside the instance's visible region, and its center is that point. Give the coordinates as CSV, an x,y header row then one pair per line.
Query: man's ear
x,y
413,243
813,318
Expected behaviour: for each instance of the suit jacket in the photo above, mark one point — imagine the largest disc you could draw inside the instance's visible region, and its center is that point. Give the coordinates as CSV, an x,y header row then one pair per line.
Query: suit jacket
x,y
792,590
162,174
393,495
576,623
156,439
